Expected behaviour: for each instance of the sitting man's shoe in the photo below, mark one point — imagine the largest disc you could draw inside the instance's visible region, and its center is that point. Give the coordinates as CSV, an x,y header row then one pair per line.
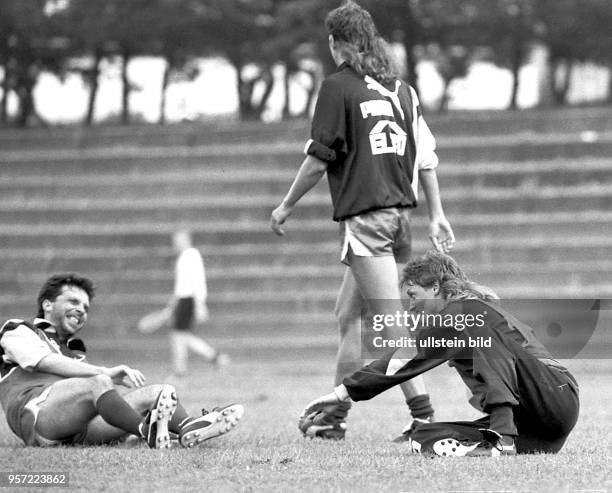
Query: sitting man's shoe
x,y
410,429
154,428
210,425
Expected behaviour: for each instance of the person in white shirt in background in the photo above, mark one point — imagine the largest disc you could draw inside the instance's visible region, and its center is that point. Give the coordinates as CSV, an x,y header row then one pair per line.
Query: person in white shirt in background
x,y
188,305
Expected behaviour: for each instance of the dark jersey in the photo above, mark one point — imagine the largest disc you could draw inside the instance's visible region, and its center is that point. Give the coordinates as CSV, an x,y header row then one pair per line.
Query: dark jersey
x,y
369,136
493,374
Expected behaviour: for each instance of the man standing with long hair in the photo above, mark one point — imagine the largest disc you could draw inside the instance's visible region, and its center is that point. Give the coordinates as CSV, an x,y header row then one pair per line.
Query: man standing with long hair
x,y
368,134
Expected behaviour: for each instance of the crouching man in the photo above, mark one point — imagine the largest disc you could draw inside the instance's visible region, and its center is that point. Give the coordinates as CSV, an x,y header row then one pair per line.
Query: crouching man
x,y
530,401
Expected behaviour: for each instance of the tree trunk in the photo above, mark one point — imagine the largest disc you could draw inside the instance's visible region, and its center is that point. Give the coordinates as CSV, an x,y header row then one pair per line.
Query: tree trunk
x,y
94,84
268,79
444,99
560,89
411,67
567,81
310,94
609,98
286,114
554,91
164,90
517,62
25,92
244,92
5,93
125,89
247,109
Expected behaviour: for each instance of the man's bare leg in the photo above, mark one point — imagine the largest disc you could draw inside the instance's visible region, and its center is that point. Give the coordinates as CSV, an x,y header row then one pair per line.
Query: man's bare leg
x,y
72,403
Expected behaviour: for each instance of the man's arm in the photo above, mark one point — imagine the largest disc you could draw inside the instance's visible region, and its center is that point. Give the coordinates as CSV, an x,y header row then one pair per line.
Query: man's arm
x,y
310,173
366,383
426,162
384,373
58,364
438,223
21,345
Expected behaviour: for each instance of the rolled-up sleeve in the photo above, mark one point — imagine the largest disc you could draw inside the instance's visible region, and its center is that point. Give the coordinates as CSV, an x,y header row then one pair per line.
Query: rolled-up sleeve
x,y
22,346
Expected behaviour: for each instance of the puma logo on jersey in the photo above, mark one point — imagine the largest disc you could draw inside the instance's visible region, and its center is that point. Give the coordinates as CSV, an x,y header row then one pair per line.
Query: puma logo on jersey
x,y
376,107
388,137
385,93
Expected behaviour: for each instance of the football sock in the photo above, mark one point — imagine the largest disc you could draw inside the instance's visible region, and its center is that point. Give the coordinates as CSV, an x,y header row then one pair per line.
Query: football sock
x,y
179,418
502,420
117,412
420,406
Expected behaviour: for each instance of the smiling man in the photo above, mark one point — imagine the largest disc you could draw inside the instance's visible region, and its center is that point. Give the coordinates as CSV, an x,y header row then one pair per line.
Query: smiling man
x,y
51,395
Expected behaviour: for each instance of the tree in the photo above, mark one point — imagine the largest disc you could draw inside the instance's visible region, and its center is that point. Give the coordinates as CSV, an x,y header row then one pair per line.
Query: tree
x,y
465,30
450,38
508,30
300,44
28,45
399,22
180,37
573,31
86,26
242,30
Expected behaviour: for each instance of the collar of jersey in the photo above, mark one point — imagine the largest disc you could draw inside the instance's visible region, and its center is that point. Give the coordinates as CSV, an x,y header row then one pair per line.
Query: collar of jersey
x,y
41,323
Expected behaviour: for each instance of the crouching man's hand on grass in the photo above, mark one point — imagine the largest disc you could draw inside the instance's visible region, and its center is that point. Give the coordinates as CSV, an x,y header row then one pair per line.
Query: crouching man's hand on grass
x,y
324,404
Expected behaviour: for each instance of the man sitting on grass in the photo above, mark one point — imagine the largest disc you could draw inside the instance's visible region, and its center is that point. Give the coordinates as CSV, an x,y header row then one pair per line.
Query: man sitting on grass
x,y
51,395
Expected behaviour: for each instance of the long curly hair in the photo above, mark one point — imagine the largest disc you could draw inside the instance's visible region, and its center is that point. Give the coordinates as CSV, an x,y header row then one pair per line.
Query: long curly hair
x,y
360,44
458,290
438,267
432,267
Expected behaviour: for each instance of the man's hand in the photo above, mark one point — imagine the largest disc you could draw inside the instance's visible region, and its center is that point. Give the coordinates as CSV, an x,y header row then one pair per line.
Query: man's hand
x,y
326,403
278,218
124,375
437,226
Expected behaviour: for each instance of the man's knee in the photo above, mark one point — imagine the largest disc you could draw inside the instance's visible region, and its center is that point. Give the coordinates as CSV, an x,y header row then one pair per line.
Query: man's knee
x,y
143,398
99,384
152,391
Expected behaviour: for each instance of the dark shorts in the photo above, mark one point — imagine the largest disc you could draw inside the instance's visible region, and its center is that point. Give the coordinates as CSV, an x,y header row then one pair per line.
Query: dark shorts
x,y
379,233
21,416
184,314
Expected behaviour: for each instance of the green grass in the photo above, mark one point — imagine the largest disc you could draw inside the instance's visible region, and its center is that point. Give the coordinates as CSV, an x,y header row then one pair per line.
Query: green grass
x,y
266,452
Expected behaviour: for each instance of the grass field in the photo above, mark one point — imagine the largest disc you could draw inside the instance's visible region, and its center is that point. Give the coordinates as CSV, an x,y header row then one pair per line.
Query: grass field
x,y
266,452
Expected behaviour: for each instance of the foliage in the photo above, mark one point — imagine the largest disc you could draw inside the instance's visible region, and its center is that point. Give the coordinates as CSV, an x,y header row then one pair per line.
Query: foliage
x,y
256,36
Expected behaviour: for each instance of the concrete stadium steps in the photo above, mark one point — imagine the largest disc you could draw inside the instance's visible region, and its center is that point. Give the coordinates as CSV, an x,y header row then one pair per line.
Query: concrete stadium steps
x,y
225,132
515,148
238,207
549,250
208,183
264,279
545,250
501,227
531,212
524,121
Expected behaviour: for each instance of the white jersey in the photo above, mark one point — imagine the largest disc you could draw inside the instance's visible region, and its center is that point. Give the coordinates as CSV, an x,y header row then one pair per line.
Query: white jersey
x,y
190,275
